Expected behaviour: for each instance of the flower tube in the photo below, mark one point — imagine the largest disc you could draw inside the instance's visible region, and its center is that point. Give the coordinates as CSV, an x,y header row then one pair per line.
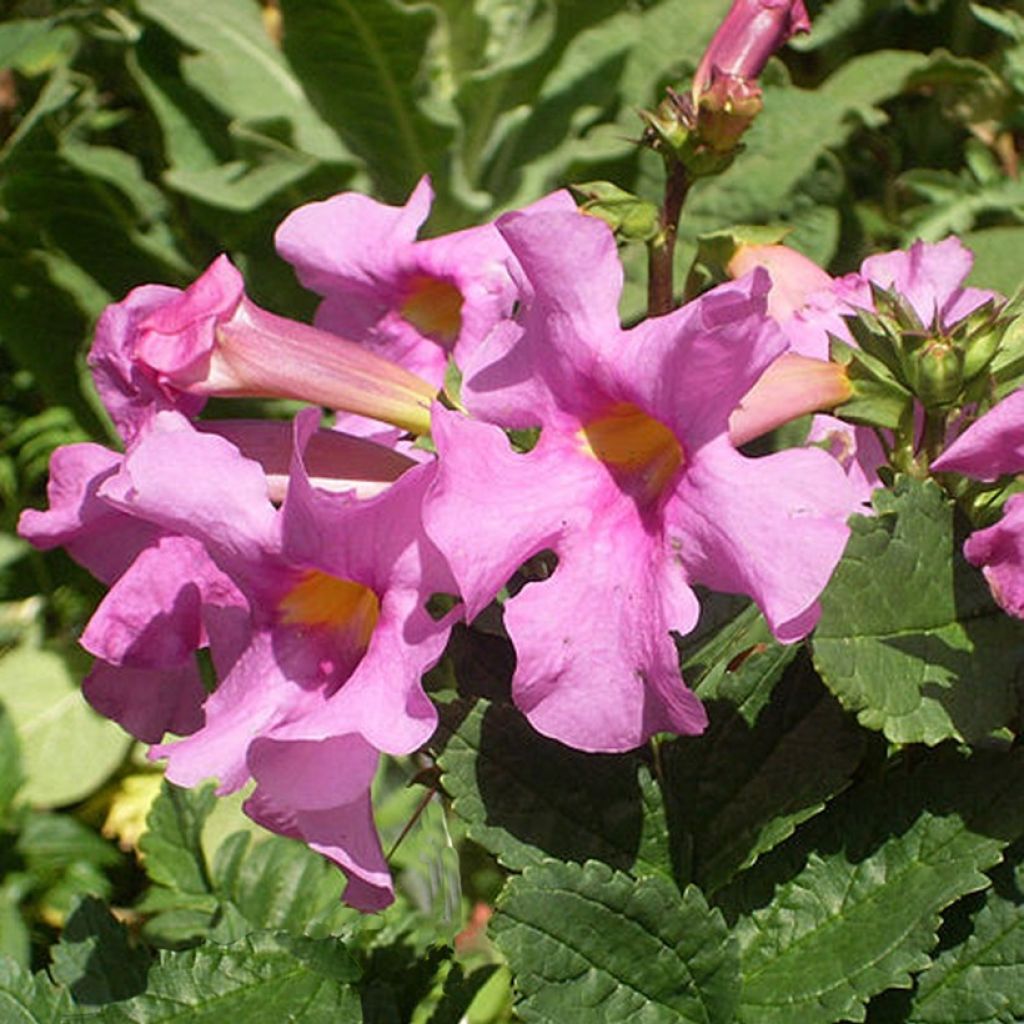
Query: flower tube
x,y
165,349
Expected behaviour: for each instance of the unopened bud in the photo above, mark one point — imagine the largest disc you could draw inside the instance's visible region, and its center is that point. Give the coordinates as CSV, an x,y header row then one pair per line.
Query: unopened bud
x,y
937,374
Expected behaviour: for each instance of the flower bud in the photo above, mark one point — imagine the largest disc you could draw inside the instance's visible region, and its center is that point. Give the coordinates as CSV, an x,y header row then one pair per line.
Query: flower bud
x,y
750,33
937,374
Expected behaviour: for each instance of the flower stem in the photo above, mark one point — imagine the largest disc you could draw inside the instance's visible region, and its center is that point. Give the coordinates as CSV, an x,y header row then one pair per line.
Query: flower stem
x,y
661,252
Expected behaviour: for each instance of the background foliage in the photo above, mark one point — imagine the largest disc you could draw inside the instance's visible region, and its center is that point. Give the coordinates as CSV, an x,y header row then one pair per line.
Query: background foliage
x,y
844,841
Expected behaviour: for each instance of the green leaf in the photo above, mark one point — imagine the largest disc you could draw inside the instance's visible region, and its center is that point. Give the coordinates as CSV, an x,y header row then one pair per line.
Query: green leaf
x,y
281,884
588,944
68,750
236,66
262,979
853,903
773,754
94,958
981,979
909,636
361,65
525,797
30,999
172,844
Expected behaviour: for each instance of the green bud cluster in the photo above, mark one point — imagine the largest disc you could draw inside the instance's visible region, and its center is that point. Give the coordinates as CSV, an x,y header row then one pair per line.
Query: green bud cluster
x,y
703,133
900,359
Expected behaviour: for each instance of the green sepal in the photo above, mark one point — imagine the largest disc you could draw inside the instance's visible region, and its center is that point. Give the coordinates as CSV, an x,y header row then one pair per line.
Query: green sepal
x,y
877,398
631,218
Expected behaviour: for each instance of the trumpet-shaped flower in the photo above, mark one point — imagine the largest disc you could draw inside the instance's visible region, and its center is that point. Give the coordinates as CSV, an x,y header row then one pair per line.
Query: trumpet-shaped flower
x,y
413,302
336,638
634,485
161,348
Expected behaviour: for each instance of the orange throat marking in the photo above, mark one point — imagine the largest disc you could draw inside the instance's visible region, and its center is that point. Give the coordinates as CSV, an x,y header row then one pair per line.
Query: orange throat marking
x,y
434,308
641,452
320,600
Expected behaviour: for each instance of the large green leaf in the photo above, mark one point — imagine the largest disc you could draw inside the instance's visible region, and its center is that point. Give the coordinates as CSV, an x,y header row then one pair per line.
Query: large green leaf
x,y
237,67
67,750
851,907
261,979
361,64
525,797
773,754
588,944
980,979
909,636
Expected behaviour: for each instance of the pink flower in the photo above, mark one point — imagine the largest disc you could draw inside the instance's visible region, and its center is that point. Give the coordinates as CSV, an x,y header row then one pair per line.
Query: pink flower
x,y
161,349
634,485
165,591
337,636
992,447
412,302
750,33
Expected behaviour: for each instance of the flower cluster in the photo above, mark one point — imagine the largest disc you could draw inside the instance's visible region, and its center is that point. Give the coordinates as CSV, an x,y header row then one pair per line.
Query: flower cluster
x,y
304,558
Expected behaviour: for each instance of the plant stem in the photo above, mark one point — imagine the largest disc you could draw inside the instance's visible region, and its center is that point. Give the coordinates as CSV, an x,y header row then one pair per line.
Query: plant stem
x,y
661,252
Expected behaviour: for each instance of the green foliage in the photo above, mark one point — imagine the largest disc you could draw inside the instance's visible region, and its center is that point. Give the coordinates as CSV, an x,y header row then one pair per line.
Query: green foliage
x,y
525,797
857,897
264,978
786,865
586,943
56,728
909,636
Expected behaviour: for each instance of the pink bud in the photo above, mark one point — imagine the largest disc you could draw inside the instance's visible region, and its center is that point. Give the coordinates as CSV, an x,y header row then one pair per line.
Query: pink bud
x,y
794,276
213,340
751,32
792,386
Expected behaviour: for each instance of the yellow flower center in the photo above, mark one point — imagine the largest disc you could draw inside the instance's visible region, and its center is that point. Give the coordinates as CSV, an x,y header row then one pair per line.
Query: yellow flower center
x,y
322,600
433,307
639,450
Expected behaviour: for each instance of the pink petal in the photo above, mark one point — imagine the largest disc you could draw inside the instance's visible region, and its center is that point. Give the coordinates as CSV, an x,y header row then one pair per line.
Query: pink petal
x,y
148,702
773,528
481,484
152,616
80,520
999,552
991,447
596,665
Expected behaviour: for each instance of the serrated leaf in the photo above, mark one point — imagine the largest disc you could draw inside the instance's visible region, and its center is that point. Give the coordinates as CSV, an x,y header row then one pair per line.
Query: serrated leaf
x,y
262,979
29,999
360,64
774,753
68,750
980,980
172,844
525,797
588,944
853,905
281,884
94,959
909,636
